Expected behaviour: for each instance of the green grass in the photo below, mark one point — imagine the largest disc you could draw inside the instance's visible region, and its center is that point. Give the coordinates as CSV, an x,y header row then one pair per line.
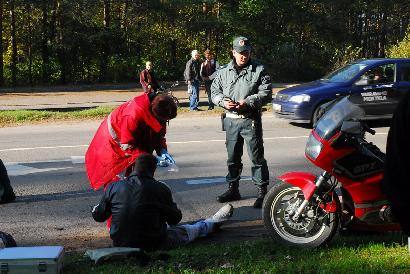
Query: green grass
x,y
366,254
24,117
19,117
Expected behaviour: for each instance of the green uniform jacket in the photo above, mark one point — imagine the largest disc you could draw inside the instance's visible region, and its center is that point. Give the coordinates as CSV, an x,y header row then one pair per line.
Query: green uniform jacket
x,y
252,84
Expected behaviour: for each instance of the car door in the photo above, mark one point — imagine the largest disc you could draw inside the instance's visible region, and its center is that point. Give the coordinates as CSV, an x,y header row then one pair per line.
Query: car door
x,y
403,78
378,87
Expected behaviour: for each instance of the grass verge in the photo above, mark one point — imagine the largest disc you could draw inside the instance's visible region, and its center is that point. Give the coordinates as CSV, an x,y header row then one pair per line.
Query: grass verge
x,y
347,254
23,117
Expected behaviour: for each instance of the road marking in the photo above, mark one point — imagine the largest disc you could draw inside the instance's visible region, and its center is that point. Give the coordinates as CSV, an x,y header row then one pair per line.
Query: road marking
x,y
19,170
33,148
78,159
211,181
175,142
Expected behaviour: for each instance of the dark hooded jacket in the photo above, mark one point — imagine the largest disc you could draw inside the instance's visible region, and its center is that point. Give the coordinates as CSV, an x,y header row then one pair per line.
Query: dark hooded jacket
x,y
396,183
141,207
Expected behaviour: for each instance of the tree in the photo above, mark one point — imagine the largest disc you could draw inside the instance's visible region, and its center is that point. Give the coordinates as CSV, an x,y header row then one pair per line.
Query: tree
x,y
13,44
1,45
401,49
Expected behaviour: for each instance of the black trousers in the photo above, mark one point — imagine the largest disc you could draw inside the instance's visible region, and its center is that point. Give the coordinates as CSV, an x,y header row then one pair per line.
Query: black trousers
x,y
249,131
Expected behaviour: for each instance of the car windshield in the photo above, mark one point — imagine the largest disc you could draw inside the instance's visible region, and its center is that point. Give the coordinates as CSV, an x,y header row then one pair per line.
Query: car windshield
x,y
347,108
345,74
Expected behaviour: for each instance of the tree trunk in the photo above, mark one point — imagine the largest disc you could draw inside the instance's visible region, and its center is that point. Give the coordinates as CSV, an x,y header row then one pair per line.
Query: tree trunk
x,y
44,43
61,53
30,44
13,45
1,45
105,43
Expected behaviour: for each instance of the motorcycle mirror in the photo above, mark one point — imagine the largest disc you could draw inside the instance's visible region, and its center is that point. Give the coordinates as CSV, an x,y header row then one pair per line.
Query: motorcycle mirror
x,y
352,127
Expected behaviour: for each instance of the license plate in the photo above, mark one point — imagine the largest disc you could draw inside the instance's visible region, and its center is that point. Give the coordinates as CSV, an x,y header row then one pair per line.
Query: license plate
x,y
276,107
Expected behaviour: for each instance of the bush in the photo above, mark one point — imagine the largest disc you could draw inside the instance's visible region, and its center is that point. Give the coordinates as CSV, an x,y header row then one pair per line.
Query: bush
x,y
345,56
401,49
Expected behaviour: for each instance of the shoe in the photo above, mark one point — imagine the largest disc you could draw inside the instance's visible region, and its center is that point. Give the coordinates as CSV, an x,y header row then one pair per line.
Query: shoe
x,y
262,190
195,109
232,194
222,215
210,108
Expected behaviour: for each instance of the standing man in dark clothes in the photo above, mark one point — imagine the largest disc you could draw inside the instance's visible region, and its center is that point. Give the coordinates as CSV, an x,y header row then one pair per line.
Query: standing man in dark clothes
x,y
148,79
242,88
208,73
396,183
192,77
6,191
144,214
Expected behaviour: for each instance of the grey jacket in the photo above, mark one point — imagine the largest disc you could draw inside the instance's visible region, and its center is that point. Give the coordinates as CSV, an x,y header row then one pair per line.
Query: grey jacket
x,y
192,70
252,84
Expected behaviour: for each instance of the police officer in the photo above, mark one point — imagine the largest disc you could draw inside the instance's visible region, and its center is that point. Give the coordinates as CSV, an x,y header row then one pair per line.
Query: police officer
x,y
241,88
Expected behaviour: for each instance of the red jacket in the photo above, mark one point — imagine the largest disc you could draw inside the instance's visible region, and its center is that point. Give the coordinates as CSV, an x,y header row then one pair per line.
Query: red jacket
x,y
131,123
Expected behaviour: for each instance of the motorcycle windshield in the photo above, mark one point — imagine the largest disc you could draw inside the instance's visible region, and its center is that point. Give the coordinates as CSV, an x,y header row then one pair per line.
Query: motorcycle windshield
x,y
347,108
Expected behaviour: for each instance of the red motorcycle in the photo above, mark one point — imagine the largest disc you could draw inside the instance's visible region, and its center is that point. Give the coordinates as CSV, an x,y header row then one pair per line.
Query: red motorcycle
x,y
306,210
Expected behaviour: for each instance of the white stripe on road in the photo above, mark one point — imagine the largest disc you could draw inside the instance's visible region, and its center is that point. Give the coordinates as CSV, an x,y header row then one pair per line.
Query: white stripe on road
x,y
205,181
18,170
78,159
33,148
176,142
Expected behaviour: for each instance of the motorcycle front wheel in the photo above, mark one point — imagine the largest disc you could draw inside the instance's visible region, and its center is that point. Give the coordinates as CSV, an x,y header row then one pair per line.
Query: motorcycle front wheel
x,y
314,227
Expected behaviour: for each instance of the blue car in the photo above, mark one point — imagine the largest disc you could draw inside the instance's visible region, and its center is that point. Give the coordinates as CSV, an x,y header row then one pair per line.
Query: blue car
x,y
381,82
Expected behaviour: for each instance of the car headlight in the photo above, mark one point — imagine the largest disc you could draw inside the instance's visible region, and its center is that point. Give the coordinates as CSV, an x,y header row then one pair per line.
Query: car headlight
x,y
313,147
300,98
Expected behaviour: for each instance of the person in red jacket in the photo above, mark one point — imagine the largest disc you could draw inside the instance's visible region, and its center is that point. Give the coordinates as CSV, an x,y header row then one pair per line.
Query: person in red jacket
x,y
135,127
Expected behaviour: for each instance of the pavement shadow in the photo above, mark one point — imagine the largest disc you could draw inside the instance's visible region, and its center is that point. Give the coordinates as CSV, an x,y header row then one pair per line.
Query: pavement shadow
x,y
200,182
301,125
57,196
246,214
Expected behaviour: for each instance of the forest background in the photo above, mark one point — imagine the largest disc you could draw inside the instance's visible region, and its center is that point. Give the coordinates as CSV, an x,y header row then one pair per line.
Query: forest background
x,y
54,42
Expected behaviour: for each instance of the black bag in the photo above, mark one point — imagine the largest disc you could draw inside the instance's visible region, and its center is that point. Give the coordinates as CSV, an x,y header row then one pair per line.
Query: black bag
x,y
6,191
7,239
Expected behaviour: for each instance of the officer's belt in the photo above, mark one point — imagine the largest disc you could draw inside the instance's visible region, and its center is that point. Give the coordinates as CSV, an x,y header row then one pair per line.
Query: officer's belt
x,y
237,116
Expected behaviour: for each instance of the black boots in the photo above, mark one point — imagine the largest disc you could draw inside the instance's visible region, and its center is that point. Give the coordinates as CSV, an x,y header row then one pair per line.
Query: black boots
x,y
232,194
262,190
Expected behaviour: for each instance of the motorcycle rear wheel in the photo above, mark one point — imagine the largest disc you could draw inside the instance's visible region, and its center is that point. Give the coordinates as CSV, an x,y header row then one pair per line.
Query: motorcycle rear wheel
x,y
314,228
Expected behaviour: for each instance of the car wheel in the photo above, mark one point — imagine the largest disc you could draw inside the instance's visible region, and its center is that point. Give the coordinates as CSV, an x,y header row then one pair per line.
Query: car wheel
x,y
319,111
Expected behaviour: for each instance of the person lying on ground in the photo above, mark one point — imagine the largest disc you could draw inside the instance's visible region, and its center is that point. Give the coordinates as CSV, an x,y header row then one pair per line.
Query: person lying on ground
x,y
144,214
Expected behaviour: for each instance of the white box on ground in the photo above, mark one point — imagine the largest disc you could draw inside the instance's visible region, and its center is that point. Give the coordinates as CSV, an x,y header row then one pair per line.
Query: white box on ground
x,y
36,259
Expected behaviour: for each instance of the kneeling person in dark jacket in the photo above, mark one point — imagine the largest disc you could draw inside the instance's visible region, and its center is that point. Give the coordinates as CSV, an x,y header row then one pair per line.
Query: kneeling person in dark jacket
x,y
144,214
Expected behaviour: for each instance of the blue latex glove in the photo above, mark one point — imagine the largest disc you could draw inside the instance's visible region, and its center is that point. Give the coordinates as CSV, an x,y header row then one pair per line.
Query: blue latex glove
x,y
164,154
162,162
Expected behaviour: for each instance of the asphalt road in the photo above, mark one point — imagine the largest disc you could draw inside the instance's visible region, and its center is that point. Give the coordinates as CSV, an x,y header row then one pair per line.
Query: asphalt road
x,y
46,168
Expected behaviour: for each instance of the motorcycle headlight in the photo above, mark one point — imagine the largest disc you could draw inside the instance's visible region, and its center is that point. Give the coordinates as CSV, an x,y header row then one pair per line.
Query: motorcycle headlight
x,y
300,98
313,147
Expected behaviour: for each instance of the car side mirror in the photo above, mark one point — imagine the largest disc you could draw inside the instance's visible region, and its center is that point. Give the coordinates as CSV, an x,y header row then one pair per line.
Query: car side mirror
x,y
362,82
352,127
